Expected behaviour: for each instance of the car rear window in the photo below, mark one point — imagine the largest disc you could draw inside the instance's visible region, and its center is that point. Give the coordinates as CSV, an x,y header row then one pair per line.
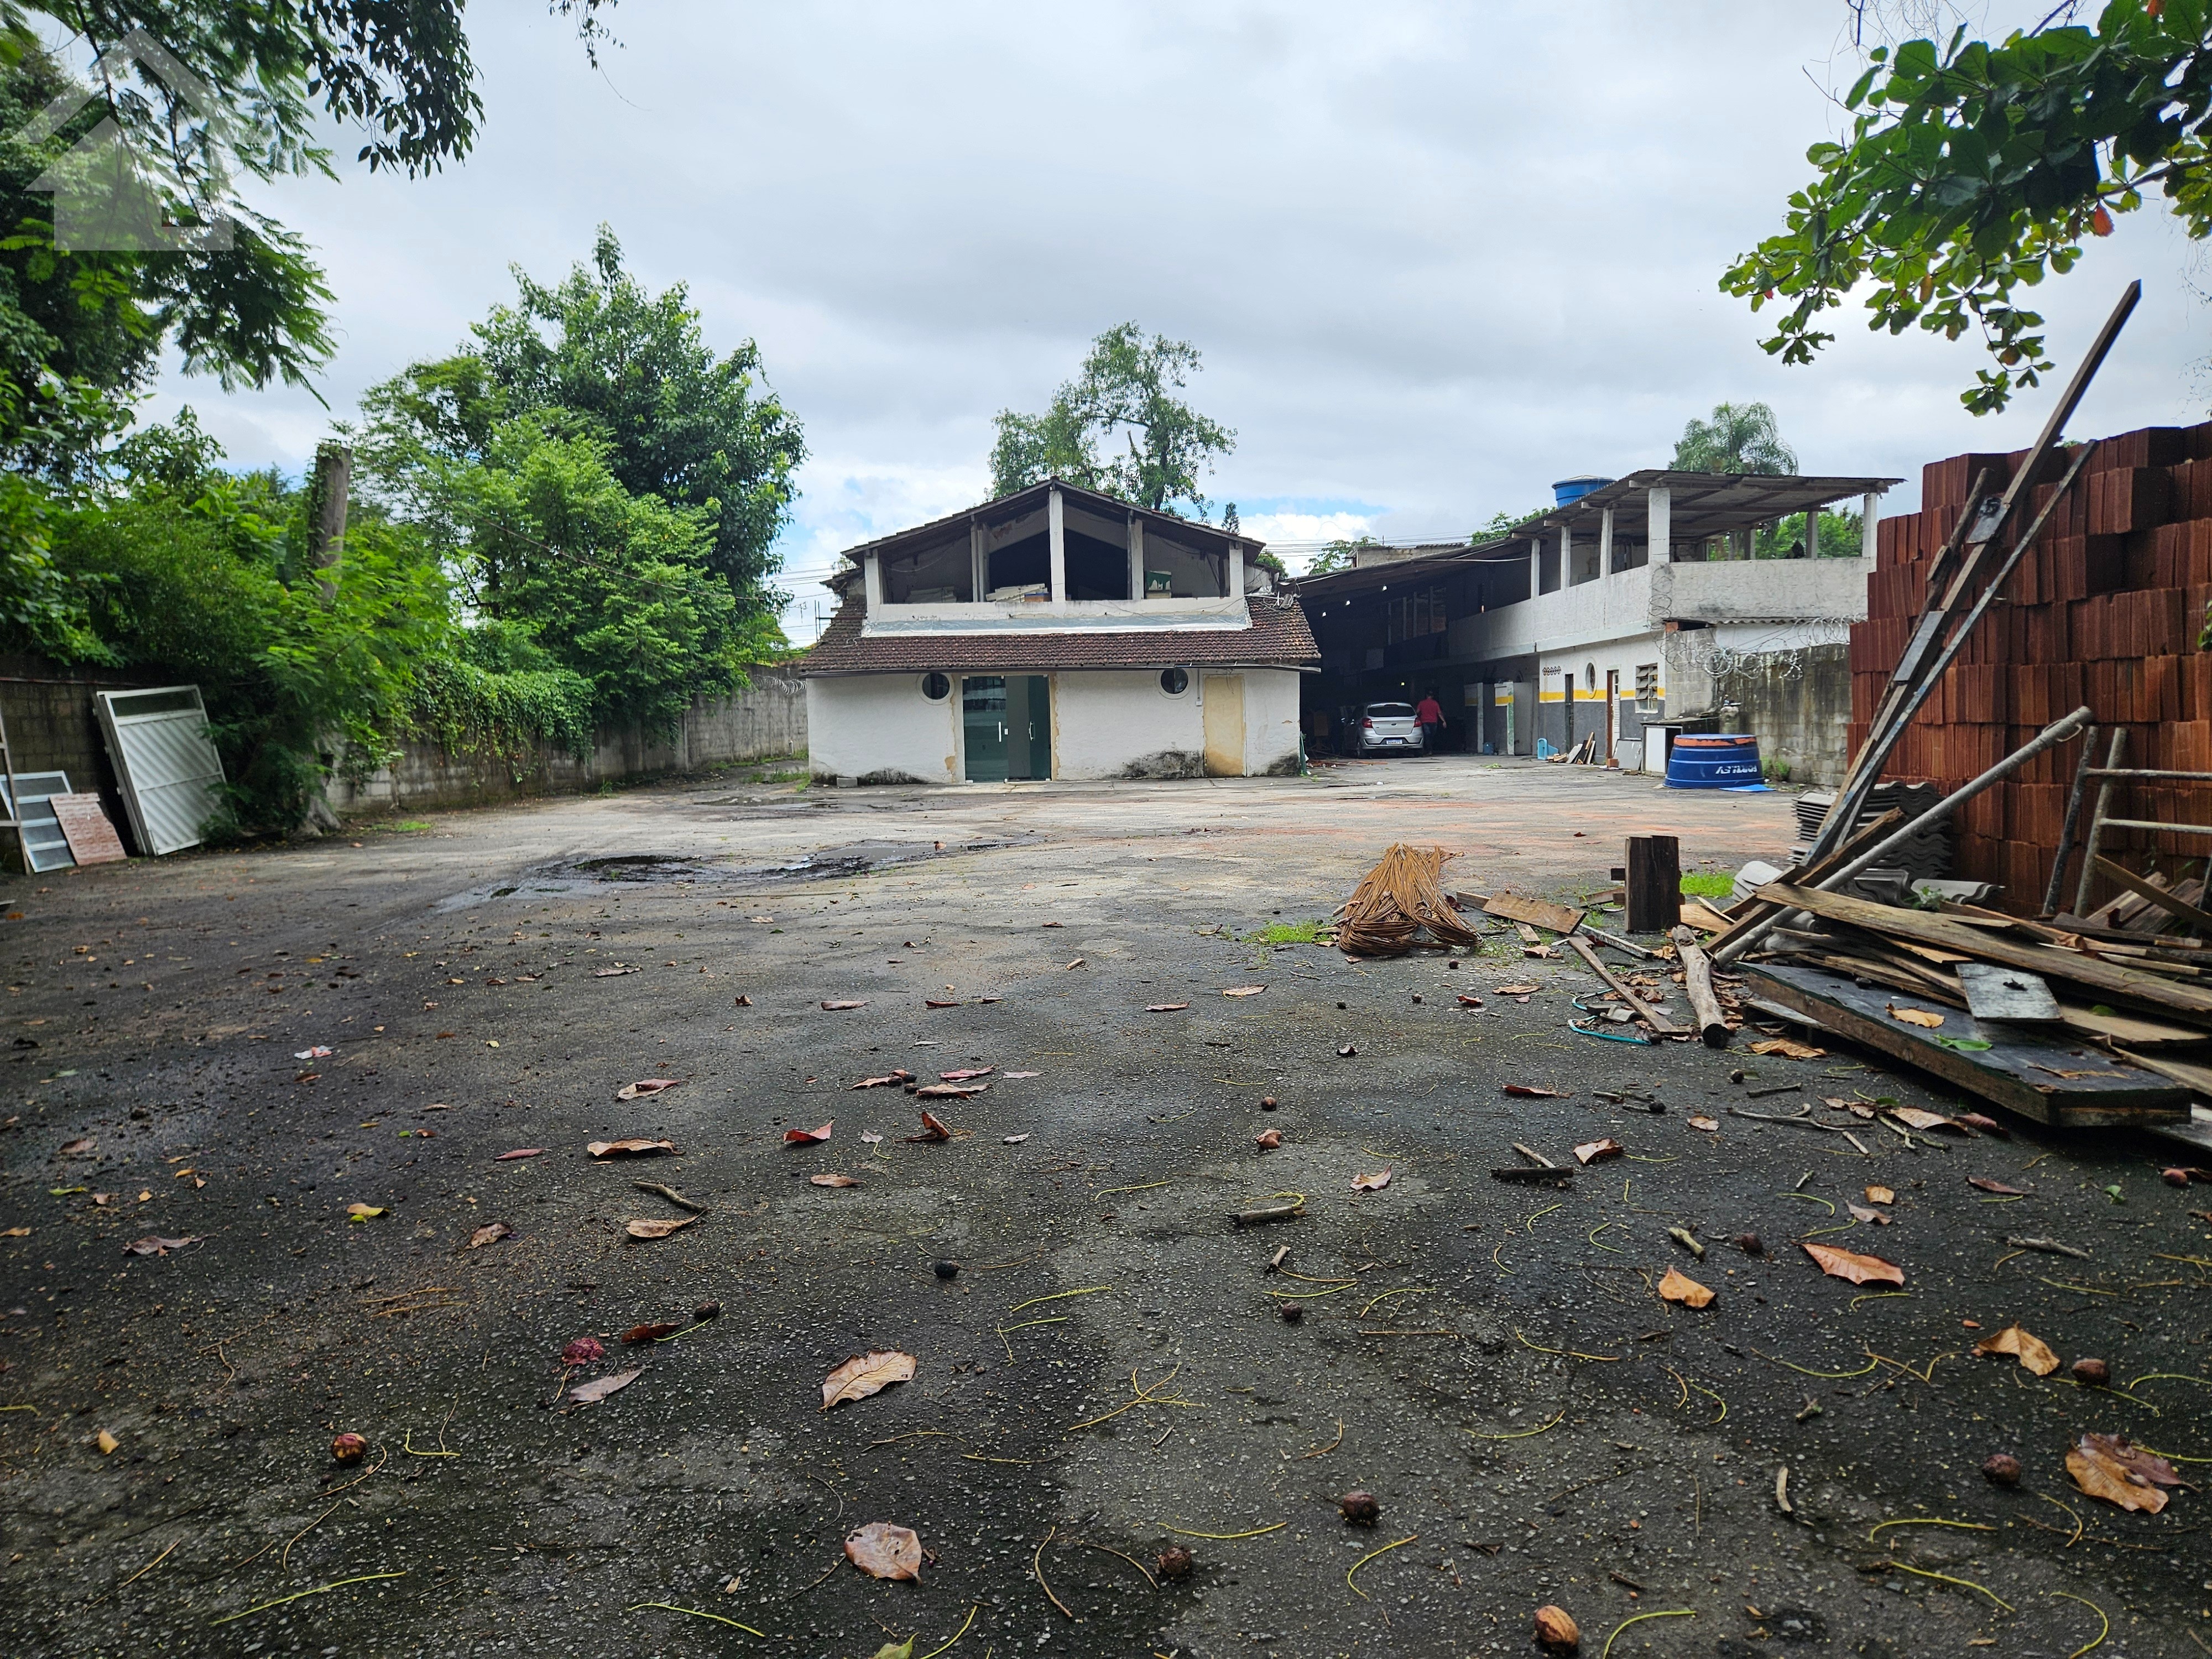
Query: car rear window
x,y
1391,711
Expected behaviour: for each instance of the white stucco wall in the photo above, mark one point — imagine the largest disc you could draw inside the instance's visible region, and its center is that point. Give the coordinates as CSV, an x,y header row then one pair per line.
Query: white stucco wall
x,y
880,727
1271,717
1106,723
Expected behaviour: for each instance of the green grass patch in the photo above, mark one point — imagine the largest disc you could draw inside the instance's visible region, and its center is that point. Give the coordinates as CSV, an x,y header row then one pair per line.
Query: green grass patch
x,y
1709,886
782,777
1287,933
406,826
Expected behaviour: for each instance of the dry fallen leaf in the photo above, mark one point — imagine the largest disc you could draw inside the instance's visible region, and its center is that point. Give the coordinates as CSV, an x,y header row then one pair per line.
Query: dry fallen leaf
x,y
949,1090
1989,1186
1245,990
637,1146
489,1235
2106,1466
901,1075
1268,1140
1789,1049
79,1148
931,1130
1165,1007
637,1333
651,1085
23,1232
1880,1195
1919,1016
586,1394
1861,1213
654,1227
1591,1152
1518,990
1679,1286
928,1002
808,1137
519,1151
1021,1074
832,1181
1710,1125
865,1374
834,1006
1914,1118
965,1075
363,1211
107,1443
1370,1183
2032,1351
884,1552
147,1245
1015,1140
1466,1002
1850,1264
1530,1092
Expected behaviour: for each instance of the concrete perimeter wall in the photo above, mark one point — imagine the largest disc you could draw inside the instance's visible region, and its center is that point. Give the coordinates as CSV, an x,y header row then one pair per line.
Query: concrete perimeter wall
x,y
765,720
51,728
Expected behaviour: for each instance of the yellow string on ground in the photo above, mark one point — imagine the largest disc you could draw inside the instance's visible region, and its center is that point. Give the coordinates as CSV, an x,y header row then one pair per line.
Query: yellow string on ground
x,y
1521,1434
2092,1607
1365,1558
1669,1613
1226,1537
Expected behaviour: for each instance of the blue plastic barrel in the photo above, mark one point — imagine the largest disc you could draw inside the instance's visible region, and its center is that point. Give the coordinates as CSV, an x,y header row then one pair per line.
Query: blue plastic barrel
x,y
1717,760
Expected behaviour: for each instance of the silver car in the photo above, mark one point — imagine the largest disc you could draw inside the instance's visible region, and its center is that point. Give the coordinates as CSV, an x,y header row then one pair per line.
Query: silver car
x,y
1387,725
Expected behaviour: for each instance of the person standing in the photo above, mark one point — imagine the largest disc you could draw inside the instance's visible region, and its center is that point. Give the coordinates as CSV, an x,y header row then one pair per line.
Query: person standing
x,y
1429,714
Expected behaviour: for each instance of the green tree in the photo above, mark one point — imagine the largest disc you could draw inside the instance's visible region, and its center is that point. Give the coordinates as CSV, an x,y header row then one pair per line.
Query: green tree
x,y
1118,427
1973,170
1737,438
598,356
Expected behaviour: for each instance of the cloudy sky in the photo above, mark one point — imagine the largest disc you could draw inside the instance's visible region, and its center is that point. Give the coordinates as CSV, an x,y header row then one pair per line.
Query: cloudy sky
x,y
1435,256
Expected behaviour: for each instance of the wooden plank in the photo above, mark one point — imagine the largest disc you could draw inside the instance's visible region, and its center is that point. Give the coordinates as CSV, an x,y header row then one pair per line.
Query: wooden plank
x,y
1650,1015
1559,918
2131,1029
2017,1070
1698,980
1655,883
2172,902
1704,917
1942,932
1749,913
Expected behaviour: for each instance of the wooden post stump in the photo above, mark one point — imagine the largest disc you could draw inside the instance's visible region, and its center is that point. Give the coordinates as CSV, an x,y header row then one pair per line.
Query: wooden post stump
x,y
1655,883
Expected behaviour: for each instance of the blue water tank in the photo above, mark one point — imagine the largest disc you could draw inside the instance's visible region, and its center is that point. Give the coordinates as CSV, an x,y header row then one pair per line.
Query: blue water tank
x,y
1719,760
1565,491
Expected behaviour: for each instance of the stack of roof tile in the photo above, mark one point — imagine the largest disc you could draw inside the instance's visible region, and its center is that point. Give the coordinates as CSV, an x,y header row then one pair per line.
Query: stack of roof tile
x,y
2105,610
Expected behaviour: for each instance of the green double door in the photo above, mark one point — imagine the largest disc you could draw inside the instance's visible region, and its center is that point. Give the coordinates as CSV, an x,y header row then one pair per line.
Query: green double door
x,y
1007,724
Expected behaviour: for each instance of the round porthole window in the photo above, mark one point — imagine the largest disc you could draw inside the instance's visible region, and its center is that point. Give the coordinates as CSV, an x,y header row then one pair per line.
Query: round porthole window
x,y
936,687
1175,681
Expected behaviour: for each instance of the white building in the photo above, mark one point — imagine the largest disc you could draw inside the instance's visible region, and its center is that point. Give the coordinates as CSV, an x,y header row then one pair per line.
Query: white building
x,y
1620,608
1056,633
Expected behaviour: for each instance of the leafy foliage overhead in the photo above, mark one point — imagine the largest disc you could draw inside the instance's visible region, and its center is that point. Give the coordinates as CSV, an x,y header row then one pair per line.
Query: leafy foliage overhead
x,y
599,357
1972,170
1118,427
1736,438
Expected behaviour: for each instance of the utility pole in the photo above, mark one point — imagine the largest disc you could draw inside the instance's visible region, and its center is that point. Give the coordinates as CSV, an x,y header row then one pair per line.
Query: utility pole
x,y
326,511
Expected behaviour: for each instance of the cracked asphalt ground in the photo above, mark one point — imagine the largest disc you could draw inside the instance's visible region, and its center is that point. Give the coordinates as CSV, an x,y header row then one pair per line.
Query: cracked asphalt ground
x,y
1108,1373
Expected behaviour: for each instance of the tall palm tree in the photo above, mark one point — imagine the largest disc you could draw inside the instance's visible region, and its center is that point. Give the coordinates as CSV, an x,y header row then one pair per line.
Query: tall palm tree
x,y
1739,438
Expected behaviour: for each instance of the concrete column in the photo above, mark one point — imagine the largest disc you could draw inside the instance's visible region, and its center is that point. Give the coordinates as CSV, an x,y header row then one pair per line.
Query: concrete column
x,y
1869,504
1567,556
1236,571
979,557
1136,557
1055,520
1659,508
1536,568
1605,544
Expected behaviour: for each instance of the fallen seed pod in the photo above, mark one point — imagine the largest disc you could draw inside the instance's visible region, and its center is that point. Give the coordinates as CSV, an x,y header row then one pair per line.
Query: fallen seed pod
x,y
2177,1177
1360,1508
2001,1468
348,1448
2092,1373
1290,1313
1268,1104
1556,1632
1175,1562
1749,1243
946,1269
707,1310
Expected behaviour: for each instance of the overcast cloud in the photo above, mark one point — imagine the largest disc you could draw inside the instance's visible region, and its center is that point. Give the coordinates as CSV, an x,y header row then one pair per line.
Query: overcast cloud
x,y
1436,257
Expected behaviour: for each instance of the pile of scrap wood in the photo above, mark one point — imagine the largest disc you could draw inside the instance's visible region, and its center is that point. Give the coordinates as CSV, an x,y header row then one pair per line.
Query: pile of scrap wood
x,y
2068,1025
1581,753
1397,902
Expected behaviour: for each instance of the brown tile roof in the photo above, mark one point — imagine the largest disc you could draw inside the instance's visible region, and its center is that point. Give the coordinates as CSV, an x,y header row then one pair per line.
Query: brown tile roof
x,y
1279,637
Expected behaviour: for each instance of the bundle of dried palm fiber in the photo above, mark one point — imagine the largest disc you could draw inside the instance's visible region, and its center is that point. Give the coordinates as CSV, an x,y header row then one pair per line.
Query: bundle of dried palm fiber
x,y
1396,902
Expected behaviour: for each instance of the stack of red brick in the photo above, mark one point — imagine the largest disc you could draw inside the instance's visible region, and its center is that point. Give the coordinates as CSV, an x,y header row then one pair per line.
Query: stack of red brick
x,y
2105,610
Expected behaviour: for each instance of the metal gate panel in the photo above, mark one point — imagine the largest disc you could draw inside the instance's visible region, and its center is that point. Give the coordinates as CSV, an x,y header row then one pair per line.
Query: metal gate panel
x,y
166,760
